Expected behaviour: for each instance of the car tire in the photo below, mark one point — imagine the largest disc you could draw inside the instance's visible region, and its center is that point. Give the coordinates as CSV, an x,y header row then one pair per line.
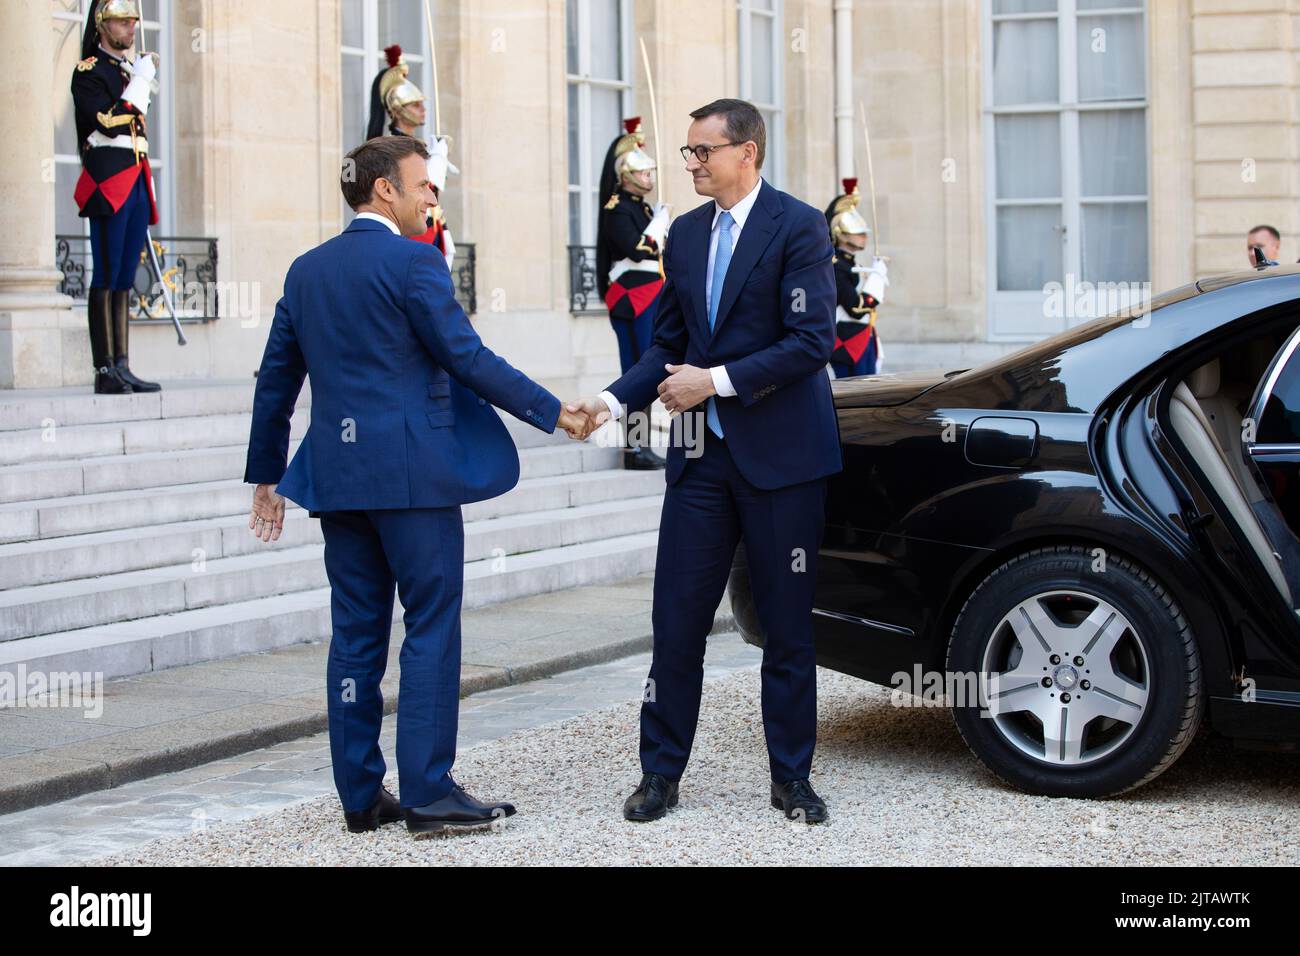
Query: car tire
x,y
1131,711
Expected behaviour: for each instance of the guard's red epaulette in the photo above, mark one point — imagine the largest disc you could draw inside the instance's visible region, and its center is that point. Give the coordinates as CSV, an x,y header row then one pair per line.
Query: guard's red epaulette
x,y
87,64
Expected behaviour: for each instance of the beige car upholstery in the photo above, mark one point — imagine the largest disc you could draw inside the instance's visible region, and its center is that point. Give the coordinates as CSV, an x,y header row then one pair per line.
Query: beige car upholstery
x,y
1210,427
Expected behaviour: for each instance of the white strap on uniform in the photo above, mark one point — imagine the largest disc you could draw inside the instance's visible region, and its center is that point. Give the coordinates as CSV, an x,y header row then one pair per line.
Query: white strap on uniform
x,y
122,141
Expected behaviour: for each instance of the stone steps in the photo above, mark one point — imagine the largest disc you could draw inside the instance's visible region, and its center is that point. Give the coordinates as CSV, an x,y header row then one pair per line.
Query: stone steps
x,y
242,627
124,544
128,595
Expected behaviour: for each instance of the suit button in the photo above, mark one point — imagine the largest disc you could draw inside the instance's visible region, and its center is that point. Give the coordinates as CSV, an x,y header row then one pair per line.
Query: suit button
x,y
528,412
482,401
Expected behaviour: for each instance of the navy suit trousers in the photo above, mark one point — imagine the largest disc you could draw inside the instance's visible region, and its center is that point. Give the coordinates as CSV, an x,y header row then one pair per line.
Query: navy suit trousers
x,y
421,551
705,515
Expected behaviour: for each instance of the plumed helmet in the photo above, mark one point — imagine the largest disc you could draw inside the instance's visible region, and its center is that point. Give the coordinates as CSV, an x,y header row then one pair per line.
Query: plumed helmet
x,y
629,157
116,10
842,214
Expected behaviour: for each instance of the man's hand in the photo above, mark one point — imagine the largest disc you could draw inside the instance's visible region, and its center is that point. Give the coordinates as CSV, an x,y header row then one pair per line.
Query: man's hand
x,y
575,422
591,413
267,519
685,387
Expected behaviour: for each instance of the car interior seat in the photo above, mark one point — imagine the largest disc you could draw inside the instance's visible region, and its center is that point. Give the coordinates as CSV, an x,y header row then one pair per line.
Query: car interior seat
x,y
1210,426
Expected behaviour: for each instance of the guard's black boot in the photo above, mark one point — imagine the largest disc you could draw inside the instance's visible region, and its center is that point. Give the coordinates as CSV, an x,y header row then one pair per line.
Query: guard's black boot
x,y
121,332
107,379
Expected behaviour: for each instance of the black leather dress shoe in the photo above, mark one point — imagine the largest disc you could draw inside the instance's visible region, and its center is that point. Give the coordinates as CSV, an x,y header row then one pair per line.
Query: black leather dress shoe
x,y
456,811
653,797
385,809
638,459
799,801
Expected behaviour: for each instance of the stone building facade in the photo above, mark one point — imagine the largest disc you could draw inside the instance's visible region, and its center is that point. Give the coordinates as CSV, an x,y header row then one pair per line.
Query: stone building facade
x,y
1016,144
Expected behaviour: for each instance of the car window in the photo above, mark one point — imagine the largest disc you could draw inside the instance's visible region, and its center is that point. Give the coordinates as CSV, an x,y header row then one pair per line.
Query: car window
x,y
1279,418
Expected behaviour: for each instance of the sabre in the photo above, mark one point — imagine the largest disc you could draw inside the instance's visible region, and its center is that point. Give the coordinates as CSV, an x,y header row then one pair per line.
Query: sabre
x,y
153,253
433,66
871,180
654,115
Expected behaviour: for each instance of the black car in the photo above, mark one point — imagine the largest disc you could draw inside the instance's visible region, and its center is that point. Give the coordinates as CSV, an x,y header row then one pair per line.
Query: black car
x,y
1085,548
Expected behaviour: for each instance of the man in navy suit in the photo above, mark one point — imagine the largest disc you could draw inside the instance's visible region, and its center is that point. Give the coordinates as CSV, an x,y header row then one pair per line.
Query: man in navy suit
x,y
401,435
746,325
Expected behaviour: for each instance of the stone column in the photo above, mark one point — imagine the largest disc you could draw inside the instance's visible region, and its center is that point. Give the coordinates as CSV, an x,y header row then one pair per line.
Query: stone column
x,y
31,306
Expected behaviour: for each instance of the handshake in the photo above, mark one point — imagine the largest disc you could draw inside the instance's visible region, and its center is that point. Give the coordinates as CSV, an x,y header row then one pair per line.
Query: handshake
x,y
579,419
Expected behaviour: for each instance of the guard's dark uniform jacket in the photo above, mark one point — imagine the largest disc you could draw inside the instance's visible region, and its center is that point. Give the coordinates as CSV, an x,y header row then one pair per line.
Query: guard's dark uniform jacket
x,y
111,138
623,220
852,337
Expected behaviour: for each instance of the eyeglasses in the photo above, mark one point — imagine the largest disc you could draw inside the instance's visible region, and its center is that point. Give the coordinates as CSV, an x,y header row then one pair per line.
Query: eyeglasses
x,y
702,152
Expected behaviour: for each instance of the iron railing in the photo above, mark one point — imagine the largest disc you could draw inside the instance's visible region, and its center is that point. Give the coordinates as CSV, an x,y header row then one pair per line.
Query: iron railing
x,y
189,269
583,296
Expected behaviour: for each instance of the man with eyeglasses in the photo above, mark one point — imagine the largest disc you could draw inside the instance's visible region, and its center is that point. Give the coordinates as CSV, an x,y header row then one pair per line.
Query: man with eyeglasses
x,y
745,327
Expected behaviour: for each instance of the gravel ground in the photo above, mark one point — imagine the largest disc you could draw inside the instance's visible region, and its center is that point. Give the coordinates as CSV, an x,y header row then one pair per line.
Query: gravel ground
x,y
901,786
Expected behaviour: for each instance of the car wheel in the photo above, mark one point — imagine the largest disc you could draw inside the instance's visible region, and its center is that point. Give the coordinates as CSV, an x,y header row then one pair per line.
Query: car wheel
x,y
1088,675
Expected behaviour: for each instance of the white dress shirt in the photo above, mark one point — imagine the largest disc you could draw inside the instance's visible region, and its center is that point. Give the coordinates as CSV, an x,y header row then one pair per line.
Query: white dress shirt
x,y
378,218
739,213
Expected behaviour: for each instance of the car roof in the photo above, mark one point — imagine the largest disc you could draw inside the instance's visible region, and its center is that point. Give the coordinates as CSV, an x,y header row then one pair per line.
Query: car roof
x,y
1211,283
1075,370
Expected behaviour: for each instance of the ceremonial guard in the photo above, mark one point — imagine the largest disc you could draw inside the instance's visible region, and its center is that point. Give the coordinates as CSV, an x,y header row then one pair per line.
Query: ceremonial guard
x,y
629,271
858,289
397,109
111,92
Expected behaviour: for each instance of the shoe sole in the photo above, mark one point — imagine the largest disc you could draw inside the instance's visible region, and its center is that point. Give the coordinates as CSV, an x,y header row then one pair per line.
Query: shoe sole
x,y
778,805
435,827
382,822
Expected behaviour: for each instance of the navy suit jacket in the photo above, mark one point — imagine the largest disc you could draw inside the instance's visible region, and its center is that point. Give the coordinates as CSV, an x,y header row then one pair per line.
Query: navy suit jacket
x,y
775,331
400,384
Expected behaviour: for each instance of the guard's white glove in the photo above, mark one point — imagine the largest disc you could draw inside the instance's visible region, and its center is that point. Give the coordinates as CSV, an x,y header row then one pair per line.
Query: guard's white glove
x,y
139,88
450,254
438,164
658,227
876,278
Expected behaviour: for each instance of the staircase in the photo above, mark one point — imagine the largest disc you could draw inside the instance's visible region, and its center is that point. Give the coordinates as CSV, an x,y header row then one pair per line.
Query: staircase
x,y
124,541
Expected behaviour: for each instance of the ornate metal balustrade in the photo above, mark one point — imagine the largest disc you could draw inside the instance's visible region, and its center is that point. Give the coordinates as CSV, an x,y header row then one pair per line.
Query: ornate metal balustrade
x,y
465,277
582,280
189,270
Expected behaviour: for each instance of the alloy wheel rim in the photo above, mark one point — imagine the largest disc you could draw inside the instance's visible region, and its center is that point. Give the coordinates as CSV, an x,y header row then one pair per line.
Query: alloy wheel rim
x,y
1065,678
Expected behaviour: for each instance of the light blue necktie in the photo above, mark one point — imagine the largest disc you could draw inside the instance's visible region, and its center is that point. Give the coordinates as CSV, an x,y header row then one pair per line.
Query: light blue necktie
x,y
721,259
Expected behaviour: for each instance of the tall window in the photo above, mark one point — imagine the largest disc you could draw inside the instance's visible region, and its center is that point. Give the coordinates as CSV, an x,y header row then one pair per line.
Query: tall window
x,y
761,77
599,69
69,21
1066,141
368,26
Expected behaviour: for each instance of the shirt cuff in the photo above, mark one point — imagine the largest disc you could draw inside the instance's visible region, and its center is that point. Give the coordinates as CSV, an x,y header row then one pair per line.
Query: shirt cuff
x,y
615,407
722,381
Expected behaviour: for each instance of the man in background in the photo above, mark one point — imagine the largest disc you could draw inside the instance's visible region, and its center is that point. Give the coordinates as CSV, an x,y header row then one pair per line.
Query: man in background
x,y
1266,238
